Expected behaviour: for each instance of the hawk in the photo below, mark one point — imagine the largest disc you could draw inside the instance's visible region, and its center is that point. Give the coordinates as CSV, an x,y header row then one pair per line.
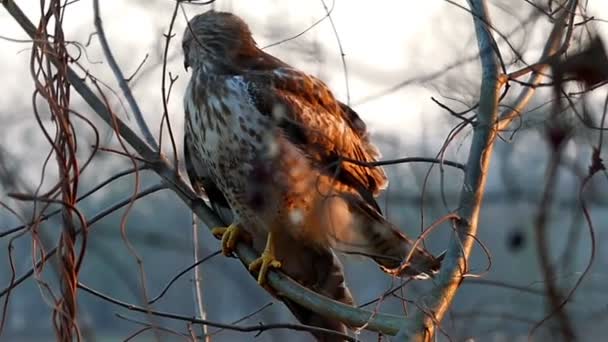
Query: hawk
x,y
287,164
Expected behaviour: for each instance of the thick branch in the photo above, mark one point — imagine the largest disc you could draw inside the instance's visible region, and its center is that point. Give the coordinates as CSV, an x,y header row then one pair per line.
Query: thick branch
x,y
455,263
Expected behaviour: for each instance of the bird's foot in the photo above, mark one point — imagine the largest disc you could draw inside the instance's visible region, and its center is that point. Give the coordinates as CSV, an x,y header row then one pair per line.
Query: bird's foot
x,y
266,261
229,235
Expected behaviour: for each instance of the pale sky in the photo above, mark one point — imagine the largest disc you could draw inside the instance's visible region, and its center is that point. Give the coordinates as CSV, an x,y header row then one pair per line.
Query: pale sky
x,y
384,43
376,42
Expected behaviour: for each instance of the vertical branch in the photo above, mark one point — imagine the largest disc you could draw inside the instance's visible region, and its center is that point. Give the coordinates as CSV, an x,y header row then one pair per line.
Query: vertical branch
x,y
164,92
342,54
52,84
454,267
554,296
198,279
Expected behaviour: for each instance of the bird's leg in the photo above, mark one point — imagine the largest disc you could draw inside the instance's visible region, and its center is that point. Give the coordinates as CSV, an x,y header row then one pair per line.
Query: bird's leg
x,y
265,261
229,235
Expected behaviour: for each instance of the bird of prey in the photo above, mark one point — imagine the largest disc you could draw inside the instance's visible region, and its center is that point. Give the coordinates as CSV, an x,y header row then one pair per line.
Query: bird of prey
x,y
285,163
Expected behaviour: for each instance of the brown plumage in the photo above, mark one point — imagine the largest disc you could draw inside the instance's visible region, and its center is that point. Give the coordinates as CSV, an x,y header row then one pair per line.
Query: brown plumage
x,y
270,146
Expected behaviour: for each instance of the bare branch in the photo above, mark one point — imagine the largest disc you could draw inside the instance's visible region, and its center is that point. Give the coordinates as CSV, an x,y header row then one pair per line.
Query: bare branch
x,y
252,328
177,276
197,284
342,54
550,52
120,78
553,292
103,213
454,264
405,160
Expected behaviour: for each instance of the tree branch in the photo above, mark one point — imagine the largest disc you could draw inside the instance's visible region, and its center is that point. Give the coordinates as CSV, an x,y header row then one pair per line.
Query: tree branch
x,y
122,81
551,52
258,327
455,263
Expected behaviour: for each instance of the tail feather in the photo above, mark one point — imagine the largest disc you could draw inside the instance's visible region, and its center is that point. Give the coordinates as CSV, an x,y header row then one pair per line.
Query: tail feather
x,y
321,271
358,228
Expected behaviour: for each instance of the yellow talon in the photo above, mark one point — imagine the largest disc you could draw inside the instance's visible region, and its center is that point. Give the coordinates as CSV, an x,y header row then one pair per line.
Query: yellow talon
x,y
266,261
229,235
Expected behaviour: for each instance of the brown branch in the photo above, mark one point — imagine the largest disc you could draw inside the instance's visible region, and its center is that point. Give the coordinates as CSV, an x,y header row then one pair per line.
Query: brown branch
x,y
542,246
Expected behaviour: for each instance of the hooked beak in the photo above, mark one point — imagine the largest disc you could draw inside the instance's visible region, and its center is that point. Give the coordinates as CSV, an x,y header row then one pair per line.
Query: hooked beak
x,y
186,65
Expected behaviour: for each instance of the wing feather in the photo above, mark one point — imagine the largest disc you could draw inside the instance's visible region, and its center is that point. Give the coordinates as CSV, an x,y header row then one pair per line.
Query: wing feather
x,y
326,130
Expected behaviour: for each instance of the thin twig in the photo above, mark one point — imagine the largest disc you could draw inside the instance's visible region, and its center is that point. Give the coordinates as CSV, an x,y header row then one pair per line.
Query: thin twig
x,y
177,276
166,93
146,327
251,328
197,284
247,316
404,161
542,248
328,12
342,54
103,213
551,49
83,196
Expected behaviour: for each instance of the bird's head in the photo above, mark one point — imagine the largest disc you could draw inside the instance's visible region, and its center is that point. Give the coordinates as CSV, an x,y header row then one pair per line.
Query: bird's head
x,y
216,42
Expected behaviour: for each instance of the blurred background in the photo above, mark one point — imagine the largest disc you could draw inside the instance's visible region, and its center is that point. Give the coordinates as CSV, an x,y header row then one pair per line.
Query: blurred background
x,y
397,56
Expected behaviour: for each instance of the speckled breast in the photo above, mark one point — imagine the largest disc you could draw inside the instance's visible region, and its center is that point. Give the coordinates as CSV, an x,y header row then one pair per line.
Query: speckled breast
x,y
228,135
